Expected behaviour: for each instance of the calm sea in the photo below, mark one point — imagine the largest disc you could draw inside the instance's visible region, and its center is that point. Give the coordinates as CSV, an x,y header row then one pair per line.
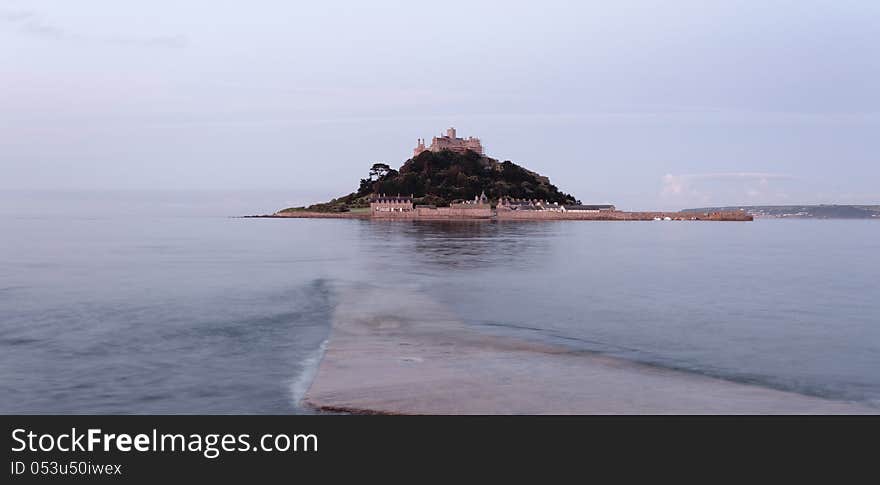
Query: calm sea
x,y
133,309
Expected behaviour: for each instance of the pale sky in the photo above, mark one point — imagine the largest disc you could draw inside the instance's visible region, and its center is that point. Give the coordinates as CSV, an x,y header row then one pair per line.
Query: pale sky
x,y
645,104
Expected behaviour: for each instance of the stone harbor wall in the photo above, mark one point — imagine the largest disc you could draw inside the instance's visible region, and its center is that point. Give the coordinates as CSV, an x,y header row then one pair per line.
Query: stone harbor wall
x,y
518,215
454,212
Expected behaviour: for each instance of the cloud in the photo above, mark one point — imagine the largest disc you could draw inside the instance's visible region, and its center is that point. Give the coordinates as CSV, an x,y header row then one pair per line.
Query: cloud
x,y
16,15
32,23
723,187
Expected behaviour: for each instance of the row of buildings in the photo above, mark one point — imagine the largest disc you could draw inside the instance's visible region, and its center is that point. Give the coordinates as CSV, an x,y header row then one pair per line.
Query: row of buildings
x,y
542,205
381,204
399,206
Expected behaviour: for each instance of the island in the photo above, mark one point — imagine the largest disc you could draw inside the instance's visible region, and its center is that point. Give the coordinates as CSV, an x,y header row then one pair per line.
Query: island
x,y
452,178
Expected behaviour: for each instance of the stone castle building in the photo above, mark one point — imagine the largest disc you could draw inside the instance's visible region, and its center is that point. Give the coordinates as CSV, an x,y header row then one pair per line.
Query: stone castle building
x,y
450,142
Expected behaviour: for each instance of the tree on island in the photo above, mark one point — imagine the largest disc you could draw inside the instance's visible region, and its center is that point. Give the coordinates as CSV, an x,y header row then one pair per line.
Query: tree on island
x,y
379,170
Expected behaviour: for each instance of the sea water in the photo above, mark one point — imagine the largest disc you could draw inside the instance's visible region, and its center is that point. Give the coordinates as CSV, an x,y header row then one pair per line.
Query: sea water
x,y
159,308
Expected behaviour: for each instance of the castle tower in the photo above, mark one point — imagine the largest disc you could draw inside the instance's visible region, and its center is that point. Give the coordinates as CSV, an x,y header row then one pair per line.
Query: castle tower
x,y
450,133
420,147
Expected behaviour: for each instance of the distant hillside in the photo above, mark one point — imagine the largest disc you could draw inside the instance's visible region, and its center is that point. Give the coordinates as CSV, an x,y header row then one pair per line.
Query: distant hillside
x,y
444,177
804,211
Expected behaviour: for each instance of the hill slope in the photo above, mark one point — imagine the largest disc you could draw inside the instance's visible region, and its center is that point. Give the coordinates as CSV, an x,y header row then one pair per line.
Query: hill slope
x,y
443,177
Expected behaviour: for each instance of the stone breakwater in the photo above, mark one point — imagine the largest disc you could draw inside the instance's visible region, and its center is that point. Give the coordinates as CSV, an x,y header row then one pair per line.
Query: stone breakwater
x,y
451,213
622,216
412,355
435,213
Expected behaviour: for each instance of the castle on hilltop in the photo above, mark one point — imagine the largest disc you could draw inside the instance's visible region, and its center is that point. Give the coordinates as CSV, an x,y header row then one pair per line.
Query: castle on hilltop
x,y
450,142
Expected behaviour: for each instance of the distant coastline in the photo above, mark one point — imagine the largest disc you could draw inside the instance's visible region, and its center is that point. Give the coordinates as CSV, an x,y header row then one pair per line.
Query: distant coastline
x,y
818,211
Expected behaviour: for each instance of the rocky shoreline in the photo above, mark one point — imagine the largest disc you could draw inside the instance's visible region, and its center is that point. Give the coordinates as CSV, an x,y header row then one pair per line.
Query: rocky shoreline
x,y
311,215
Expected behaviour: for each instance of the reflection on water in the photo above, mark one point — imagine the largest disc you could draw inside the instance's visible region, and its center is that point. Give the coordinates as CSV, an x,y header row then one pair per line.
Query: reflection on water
x,y
458,244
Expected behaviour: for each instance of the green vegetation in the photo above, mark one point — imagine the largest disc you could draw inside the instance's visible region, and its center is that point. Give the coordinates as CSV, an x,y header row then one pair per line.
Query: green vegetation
x,y
444,177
